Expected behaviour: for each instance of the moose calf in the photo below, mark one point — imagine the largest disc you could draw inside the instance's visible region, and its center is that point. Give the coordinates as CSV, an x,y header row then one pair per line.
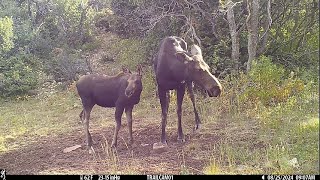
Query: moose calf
x,y
121,91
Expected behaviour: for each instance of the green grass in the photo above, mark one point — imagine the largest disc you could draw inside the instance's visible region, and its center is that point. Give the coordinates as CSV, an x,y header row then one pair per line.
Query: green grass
x,y
36,117
268,139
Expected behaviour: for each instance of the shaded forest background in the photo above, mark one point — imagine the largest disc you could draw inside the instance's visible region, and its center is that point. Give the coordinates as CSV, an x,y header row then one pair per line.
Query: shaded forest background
x,y
41,38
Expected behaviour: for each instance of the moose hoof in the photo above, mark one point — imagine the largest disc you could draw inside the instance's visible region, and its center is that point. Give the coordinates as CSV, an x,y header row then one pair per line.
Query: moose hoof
x,y
130,142
95,142
113,146
197,127
160,147
181,140
91,150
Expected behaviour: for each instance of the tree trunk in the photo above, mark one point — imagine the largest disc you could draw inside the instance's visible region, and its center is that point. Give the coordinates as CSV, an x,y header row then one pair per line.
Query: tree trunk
x,y
234,35
29,9
263,41
252,26
267,25
82,19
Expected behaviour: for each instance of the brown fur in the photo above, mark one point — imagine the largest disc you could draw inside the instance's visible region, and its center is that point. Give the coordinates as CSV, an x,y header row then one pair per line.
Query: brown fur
x,y
121,91
176,69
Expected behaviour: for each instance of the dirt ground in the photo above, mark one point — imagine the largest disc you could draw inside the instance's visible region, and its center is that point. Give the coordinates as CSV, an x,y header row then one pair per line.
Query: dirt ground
x,y
44,155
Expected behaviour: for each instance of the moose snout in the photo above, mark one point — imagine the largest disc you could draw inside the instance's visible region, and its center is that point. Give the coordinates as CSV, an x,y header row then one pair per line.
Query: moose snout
x,y
214,92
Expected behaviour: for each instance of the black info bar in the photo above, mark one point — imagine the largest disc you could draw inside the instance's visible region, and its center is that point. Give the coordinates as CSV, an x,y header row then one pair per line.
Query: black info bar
x,y
162,177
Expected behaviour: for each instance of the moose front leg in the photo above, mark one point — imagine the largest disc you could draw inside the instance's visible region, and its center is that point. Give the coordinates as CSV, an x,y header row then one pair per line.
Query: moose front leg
x,y
81,115
129,120
180,95
164,101
191,95
118,114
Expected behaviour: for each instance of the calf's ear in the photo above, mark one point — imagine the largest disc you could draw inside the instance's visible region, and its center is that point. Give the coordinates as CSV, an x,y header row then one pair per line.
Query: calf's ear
x,y
125,70
139,69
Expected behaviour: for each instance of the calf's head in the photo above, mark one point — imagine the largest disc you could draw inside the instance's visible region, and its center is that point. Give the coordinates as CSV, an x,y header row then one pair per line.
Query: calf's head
x,y
134,82
199,72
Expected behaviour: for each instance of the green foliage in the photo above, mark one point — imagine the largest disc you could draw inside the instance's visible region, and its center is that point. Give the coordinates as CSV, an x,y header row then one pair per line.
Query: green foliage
x,y
269,84
6,34
217,58
92,46
129,52
72,22
23,33
21,24
47,37
65,65
294,38
274,109
18,74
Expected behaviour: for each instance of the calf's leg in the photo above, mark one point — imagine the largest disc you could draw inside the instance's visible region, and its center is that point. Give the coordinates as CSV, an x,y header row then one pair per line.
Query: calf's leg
x,y
129,120
118,114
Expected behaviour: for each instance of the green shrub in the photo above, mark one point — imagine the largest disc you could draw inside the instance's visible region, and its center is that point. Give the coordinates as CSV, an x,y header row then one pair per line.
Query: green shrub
x,y
269,83
18,74
65,66
6,34
129,52
92,45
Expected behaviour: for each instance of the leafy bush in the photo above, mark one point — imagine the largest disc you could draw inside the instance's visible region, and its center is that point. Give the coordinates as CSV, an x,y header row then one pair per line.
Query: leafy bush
x,y
92,45
6,34
129,52
270,84
18,74
65,66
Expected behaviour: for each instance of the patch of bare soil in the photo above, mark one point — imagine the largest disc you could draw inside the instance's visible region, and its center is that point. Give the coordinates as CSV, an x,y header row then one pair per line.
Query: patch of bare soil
x,y
46,156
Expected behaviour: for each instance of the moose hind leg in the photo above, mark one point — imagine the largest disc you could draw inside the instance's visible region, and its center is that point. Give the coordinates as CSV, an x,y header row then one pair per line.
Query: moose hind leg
x,y
180,95
191,95
86,113
118,114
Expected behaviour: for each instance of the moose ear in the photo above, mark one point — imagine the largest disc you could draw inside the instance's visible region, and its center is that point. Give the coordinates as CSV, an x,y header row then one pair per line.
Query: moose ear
x,y
184,57
125,70
139,69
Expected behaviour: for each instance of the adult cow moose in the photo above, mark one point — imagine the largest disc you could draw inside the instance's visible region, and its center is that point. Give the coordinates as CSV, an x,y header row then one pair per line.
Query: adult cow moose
x,y
175,69
121,91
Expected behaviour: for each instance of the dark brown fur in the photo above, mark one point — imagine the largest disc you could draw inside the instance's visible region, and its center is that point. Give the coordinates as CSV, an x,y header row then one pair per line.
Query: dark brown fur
x,y
121,91
176,69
